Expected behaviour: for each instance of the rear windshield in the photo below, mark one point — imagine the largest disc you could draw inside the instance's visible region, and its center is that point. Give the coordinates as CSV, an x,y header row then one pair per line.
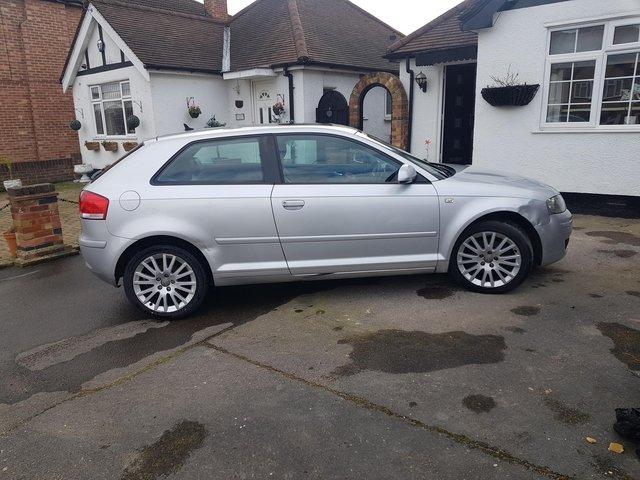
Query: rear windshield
x,y
100,173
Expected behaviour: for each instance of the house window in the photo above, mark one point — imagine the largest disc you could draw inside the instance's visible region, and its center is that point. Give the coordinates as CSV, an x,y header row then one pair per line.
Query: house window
x,y
112,105
388,106
593,77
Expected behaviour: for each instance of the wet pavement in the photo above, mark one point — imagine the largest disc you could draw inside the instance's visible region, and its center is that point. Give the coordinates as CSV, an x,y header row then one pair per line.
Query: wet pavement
x,y
403,377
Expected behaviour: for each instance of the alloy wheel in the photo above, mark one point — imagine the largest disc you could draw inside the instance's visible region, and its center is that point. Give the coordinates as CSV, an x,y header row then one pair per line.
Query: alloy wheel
x,y
164,283
489,259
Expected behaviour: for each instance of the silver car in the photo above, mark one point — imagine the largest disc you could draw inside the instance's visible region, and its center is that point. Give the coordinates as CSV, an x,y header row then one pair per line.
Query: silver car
x,y
286,203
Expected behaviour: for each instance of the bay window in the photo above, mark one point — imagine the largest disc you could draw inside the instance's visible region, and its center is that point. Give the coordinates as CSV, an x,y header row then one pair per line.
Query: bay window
x,y
112,105
593,76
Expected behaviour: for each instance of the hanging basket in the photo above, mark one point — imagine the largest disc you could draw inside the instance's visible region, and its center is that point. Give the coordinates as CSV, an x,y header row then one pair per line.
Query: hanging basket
x,y
511,96
75,125
133,122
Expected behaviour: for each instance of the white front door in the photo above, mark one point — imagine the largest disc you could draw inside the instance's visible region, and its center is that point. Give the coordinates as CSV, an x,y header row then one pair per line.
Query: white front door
x,y
264,100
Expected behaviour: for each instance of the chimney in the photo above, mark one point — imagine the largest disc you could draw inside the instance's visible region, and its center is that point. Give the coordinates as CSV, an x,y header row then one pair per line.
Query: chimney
x,y
217,9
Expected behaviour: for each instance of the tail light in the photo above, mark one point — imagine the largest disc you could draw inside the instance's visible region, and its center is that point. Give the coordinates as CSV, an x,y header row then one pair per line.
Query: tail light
x,y
93,206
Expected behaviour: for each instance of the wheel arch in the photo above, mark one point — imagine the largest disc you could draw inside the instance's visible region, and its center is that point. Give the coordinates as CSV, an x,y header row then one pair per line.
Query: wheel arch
x,y
155,240
509,217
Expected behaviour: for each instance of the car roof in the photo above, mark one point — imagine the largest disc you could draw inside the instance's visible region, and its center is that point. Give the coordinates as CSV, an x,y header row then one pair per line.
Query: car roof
x,y
258,130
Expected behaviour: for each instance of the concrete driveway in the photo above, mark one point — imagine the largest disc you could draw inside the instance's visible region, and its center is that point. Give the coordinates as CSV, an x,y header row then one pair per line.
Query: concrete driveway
x,y
405,377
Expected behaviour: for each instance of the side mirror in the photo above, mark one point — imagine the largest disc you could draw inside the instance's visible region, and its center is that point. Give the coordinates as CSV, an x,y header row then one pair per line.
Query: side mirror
x,y
407,174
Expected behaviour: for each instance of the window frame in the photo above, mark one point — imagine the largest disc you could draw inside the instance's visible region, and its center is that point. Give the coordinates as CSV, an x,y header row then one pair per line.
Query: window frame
x,y
600,57
419,179
100,101
268,163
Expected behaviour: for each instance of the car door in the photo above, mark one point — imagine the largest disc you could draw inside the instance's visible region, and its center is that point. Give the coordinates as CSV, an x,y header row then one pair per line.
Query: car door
x,y
217,193
340,209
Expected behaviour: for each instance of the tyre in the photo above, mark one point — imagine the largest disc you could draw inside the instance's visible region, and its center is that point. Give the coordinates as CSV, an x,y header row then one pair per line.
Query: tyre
x,y
491,257
165,281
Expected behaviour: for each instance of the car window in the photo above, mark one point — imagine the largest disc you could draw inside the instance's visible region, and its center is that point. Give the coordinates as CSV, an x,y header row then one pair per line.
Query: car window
x,y
228,161
329,159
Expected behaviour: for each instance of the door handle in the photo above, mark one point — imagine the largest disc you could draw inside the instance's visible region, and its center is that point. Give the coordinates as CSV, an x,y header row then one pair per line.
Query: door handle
x,y
293,204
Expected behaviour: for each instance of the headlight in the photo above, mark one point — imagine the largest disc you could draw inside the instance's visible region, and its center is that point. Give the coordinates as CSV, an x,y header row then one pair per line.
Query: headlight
x,y
556,205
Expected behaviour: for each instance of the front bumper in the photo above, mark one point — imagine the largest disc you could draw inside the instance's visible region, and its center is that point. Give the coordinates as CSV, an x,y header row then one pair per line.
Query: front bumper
x,y
554,237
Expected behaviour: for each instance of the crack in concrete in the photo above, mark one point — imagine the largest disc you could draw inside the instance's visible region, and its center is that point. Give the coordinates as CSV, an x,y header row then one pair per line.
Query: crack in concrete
x,y
362,402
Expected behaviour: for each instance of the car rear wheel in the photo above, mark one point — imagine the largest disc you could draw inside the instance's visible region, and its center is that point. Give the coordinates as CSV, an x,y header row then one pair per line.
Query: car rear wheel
x,y
492,257
165,281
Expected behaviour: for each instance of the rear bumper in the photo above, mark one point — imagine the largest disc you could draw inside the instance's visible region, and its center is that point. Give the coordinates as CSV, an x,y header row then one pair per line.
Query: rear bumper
x,y
101,250
554,237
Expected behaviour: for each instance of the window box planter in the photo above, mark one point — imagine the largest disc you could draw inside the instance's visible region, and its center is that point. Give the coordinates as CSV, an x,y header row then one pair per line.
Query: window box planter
x,y
94,146
128,146
510,96
110,146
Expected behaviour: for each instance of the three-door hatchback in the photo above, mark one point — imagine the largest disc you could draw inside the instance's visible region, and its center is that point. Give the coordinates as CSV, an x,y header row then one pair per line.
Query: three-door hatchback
x,y
285,203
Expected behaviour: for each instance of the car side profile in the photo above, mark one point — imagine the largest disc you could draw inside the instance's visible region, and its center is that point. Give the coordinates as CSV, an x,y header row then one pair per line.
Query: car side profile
x,y
286,203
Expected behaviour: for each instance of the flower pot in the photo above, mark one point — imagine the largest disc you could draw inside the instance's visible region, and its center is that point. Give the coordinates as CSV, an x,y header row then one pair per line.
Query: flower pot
x,y
110,146
194,114
94,146
511,96
128,146
10,238
13,183
83,169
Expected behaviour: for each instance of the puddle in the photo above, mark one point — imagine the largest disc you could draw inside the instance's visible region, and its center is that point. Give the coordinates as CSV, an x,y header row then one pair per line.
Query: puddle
x,y
84,358
399,351
525,311
566,414
617,238
437,288
620,253
479,403
518,330
168,454
626,343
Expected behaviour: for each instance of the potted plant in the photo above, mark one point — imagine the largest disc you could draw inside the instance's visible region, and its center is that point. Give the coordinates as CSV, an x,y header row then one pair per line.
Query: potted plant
x,y
508,92
10,182
75,125
10,238
94,146
128,146
278,108
110,146
213,123
193,109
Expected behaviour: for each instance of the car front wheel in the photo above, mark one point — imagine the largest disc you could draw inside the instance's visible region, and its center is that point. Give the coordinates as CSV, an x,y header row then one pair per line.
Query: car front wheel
x,y
492,257
165,281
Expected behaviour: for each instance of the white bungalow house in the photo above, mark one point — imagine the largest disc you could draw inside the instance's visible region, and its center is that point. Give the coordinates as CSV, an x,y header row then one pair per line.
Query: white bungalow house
x,y
579,130
156,58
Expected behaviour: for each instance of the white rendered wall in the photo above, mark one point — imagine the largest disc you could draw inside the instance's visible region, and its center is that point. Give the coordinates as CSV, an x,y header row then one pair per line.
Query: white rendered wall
x,y
427,108
141,95
170,92
510,139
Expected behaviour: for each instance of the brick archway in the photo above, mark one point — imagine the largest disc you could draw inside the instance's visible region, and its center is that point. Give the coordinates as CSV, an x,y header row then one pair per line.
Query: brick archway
x,y
400,106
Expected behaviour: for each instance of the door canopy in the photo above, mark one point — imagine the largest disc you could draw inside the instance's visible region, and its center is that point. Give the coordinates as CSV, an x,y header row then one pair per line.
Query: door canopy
x,y
399,115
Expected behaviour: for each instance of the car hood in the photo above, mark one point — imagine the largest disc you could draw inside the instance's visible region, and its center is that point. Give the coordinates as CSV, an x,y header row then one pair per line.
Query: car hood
x,y
478,181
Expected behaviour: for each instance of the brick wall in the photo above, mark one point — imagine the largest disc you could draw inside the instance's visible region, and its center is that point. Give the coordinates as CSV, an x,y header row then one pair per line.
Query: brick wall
x,y
34,113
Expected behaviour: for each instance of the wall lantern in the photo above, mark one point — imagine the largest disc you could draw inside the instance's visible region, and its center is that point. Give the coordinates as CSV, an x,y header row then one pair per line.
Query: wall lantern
x,y
100,45
421,80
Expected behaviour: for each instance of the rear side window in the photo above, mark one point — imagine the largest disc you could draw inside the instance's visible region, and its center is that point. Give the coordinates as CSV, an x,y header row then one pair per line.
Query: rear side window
x,y
216,162
327,159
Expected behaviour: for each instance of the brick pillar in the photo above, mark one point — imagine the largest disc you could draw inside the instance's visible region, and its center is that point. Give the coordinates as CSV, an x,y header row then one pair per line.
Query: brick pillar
x,y
34,210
